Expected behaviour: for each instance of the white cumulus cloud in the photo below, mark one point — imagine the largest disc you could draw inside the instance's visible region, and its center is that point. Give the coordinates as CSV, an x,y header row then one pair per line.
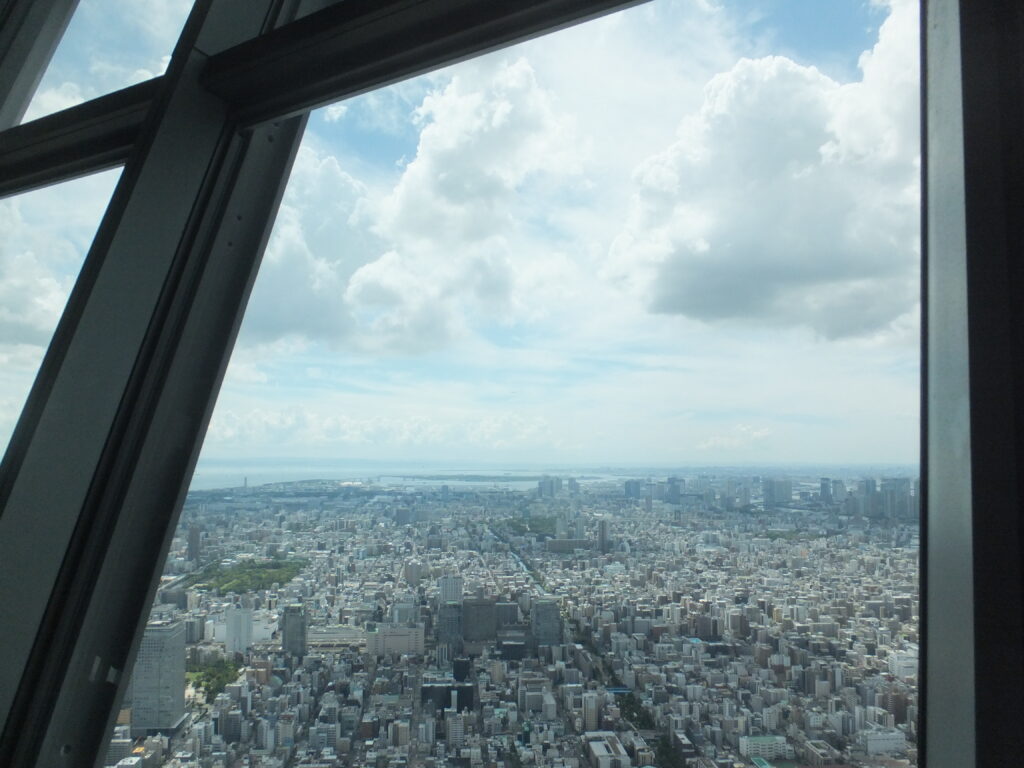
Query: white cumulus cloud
x,y
787,198
491,138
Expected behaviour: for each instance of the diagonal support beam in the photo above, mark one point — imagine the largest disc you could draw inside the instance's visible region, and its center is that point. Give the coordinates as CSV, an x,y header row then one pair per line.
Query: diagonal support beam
x,y
357,45
348,48
29,33
93,480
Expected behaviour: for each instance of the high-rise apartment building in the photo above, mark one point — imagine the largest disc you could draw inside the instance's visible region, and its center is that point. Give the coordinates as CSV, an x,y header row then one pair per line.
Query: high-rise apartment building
x,y
158,679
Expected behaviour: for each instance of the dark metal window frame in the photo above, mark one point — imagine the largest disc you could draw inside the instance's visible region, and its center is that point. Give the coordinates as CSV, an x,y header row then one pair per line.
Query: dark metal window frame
x,y
93,480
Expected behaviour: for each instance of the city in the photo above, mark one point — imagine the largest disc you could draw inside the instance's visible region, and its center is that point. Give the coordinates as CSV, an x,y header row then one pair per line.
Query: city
x,y
596,620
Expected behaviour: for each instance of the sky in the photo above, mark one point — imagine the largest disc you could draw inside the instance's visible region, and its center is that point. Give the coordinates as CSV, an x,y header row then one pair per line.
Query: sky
x,y
687,233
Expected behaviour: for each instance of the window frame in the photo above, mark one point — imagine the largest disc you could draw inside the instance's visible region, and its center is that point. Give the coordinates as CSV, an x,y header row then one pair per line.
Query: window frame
x,y
114,470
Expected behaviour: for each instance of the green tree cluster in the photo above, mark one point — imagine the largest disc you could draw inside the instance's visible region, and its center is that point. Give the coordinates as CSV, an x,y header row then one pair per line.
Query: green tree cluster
x,y
248,576
536,525
635,712
517,527
212,677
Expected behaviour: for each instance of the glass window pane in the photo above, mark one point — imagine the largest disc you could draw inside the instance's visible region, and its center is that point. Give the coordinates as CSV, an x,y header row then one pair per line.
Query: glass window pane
x,y
47,233
109,45
586,373
708,255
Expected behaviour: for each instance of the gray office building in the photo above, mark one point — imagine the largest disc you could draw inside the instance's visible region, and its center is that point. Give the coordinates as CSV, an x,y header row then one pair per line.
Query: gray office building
x,y
449,623
547,622
506,613
195,546
479,619
293,630
157,687
603,542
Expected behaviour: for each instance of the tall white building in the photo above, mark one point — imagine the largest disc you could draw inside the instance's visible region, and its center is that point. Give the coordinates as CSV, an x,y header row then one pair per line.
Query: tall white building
x,y
238,629
449,588
158,679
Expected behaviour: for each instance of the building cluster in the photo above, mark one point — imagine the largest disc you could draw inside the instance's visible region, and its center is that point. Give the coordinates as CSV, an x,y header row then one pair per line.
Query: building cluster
x,y
713,621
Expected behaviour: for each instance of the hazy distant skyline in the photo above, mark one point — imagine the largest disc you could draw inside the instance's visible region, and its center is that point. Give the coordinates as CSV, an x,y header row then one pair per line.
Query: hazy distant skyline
x,y
212,474
686,233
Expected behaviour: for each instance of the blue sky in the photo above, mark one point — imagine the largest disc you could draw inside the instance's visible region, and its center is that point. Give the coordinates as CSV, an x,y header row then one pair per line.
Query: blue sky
x,y
685,233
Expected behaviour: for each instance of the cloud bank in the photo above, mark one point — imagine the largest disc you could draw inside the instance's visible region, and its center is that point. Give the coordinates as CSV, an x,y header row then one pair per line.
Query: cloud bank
x,y
787,199
640,238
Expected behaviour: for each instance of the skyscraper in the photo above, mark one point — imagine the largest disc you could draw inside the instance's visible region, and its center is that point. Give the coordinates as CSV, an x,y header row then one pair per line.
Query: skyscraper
x,y
591,711
603,544
158,679
867,492
894,498
825,489
547,622
194,544
776,492
549,486
674,491
293,630
449,623
838,491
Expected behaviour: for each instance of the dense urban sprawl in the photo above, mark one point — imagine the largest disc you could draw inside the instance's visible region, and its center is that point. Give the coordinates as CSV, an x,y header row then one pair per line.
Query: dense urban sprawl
x,y
713,620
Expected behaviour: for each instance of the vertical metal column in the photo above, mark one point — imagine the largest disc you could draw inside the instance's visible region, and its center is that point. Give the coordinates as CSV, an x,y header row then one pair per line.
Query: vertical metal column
x,y
93,481
948,578
29,33
974,228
